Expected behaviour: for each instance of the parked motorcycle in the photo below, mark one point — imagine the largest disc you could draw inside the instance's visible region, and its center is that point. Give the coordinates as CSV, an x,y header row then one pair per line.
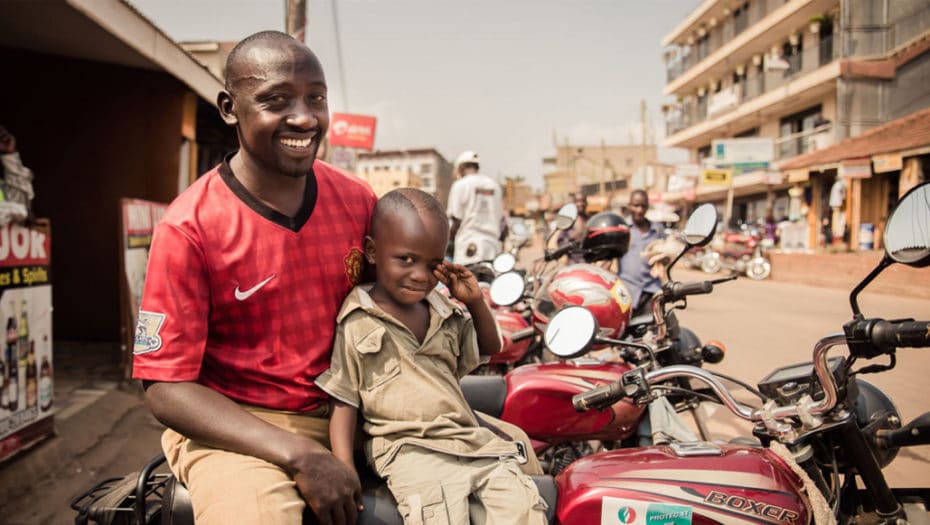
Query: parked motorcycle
x,y
538,398
739,252
825,433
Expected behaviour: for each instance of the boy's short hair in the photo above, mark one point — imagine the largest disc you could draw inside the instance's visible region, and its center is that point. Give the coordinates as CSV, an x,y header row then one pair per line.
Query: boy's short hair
x,y
407,199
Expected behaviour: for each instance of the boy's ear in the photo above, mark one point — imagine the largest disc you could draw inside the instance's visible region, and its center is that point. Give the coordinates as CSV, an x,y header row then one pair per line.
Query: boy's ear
x,y
224,101
369,246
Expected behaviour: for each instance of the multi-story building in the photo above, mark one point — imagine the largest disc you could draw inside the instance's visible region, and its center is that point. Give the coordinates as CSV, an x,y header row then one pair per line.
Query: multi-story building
x,y
602,171
432,169
382,182
804,73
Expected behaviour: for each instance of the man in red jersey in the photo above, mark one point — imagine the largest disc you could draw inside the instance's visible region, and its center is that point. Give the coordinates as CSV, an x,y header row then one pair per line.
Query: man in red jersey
x,y
248,269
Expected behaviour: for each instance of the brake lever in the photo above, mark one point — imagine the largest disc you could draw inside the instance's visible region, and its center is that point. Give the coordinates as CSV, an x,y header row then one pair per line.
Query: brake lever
x,y
722,280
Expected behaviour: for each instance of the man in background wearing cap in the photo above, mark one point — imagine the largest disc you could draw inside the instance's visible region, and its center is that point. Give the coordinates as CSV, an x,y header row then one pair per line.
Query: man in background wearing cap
x,y
477,211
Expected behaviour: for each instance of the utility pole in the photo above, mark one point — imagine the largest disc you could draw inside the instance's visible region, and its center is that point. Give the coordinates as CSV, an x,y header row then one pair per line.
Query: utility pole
x,y
295,18
642,118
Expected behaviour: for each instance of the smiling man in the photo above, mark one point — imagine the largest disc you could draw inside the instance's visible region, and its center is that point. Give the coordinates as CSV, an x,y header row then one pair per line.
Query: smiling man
x,y
248,269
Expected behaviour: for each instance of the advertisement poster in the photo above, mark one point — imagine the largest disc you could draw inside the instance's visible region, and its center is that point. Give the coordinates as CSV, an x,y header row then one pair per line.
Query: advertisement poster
x,y
352,131
139,218
26,388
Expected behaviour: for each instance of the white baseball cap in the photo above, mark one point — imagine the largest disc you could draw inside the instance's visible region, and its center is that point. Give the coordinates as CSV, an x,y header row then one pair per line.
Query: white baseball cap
x,y
465,157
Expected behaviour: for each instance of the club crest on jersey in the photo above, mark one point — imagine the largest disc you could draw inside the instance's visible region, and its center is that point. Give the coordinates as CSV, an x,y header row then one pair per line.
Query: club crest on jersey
x,y
147,338
353,262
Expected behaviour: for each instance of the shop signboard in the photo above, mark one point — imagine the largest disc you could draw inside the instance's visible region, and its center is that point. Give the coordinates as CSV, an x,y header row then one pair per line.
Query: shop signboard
x,y
886,163
139,218
26,308
751,152
856,168
716,176
352,131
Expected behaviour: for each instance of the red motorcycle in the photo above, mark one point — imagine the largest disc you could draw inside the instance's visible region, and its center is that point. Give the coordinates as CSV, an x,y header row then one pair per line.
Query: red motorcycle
x,y
825,433
537,398
738,252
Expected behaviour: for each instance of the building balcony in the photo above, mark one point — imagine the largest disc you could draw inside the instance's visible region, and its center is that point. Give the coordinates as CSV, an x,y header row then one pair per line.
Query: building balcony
x,y
779,84
711,44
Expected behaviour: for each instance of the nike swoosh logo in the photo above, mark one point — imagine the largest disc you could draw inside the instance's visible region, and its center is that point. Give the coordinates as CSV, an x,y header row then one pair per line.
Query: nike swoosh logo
x,y
242,296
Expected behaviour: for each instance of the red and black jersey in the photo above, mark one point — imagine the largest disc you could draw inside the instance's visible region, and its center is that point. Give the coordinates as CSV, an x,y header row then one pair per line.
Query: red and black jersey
x,y
242,298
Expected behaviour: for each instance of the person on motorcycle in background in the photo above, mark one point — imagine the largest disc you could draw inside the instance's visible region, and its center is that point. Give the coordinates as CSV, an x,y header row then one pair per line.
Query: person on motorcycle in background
x,y
576,232
248,269
401,348
635,266
476,212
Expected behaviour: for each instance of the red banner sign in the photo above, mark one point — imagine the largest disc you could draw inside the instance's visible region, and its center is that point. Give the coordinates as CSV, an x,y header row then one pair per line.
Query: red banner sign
x,y
352,131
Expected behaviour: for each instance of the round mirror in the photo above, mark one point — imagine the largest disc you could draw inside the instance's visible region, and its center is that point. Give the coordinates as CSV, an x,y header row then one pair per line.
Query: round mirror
x,y
567,216
907,232
507,289
504,263
702,222
518,229
571,331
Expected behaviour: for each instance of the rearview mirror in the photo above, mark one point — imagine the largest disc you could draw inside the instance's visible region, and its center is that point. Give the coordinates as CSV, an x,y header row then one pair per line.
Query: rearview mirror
x,y
571,332
507,289
504,263
907,232
702,223
567,216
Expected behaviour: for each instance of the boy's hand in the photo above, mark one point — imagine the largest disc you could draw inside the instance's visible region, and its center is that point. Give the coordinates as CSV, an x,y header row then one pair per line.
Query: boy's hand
x,y
461,283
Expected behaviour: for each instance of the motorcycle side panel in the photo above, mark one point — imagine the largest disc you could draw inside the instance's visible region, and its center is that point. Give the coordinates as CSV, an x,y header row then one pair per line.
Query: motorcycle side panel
x,y
510,322
539,400
743,485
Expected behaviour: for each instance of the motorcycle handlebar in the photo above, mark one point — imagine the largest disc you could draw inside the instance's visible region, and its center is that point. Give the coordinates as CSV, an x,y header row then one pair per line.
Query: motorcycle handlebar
x,y
520,335
678,290
600,397
559,252
914,334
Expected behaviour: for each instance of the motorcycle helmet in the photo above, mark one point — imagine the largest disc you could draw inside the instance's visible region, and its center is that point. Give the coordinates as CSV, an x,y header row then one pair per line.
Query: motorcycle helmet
x,y
606,237
595,288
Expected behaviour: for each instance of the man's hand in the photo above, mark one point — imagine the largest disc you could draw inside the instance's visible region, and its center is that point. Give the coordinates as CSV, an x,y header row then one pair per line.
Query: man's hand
x,y
7,141
461,283
330,488
660,253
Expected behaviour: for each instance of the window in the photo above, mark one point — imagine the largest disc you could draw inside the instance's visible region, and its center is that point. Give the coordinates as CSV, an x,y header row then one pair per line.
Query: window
x,y
426,168
793,139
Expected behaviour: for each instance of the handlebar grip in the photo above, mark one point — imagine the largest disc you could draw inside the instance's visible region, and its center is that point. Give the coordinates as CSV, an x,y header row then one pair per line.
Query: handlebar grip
x,y
599,397
520,335
559,252
913,334
680,290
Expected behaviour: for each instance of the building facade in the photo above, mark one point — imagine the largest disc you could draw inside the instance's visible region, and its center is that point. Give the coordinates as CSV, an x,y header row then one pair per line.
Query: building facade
x,y
432,170
601,171
806,74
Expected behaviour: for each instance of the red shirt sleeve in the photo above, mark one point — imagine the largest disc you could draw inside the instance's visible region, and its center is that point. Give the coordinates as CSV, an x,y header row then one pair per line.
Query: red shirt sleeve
x,y
171,334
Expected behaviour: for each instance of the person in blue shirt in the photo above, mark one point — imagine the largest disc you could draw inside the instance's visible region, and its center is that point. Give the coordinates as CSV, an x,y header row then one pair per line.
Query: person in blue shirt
x,y
634,265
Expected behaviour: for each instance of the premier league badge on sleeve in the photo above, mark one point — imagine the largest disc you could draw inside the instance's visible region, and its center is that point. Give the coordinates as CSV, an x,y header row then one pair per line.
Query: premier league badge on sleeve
x,y
147,338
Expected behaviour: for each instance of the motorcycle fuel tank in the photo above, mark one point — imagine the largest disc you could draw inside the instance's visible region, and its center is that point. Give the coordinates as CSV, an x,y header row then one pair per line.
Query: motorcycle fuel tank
x,y
700,483
539,401
510,322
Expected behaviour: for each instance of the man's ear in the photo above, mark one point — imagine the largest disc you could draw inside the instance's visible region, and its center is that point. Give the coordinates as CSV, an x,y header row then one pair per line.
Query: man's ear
x,y
369,245
224,101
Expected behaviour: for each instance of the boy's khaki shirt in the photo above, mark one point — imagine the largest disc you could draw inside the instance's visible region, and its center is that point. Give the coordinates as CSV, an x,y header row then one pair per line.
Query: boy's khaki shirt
x,y
408,393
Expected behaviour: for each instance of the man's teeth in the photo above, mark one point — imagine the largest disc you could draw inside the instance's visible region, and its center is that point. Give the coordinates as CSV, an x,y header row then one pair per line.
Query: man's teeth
x,y
294,143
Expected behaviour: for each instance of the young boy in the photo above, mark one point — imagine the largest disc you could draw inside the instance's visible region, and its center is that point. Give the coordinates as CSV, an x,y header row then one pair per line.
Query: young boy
x,y
400,349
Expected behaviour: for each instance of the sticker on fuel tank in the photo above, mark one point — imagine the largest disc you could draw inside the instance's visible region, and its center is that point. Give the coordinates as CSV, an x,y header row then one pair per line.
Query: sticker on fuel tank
x,y
619,511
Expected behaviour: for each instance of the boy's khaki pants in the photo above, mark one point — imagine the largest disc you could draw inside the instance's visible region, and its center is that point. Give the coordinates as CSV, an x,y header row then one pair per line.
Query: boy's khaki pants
x,y
229,488
433,488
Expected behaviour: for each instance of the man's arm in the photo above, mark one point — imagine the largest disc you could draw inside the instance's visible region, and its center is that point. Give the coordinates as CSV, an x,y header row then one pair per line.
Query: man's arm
x,y
454,228
204,415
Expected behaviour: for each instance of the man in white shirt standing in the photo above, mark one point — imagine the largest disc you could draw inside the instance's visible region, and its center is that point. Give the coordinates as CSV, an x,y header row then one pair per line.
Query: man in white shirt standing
x,y
476,209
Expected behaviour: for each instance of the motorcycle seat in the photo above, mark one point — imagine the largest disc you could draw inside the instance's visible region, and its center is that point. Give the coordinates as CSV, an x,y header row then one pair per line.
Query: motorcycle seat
x,y
380,507
485,393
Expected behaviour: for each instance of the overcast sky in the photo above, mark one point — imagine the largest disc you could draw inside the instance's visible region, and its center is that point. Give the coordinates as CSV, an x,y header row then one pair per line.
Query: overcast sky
x,y
501,77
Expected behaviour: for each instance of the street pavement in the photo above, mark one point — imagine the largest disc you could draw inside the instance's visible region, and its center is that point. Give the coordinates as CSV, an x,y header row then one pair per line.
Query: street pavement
x,y
105,430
